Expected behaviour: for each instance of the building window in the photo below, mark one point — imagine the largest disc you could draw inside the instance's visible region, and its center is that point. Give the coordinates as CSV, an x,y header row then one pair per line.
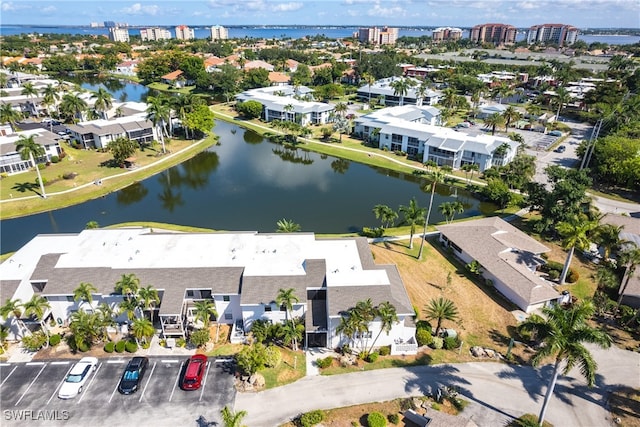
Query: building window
x,y
283,307
189,294
228,316
226,298
205,294
69,298
267,307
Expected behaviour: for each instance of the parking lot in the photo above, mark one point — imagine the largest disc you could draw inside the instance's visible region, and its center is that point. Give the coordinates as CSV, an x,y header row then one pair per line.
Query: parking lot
x,y
29,394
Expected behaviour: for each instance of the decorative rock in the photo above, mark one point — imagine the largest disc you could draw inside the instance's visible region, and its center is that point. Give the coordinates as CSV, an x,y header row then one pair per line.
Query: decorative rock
x,y
490,353
478,352
258,381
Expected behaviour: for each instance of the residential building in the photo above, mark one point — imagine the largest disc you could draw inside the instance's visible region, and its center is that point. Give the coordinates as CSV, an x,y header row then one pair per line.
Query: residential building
x,y
508,259
630,234
413,130
155,33
444,34
379,36
99,133
219,33
559,34
493,33
118,34
240,273
176,79
258,63
128,68
184,33
10,160
279,79
384,91
284,102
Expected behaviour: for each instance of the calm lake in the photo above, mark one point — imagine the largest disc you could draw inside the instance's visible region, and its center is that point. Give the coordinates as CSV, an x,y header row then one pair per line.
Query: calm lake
x,y
248,183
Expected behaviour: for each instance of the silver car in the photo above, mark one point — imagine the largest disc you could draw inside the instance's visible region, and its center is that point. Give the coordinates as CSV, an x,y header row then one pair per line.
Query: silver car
x,y
77,377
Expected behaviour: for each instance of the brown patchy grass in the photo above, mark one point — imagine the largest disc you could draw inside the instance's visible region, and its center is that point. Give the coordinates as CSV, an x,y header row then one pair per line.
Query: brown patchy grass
x,y
625,405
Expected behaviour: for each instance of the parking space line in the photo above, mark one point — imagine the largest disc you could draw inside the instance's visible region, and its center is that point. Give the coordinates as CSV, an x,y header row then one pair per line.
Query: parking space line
x,y
114,391
170,361
14,368
148,380
115,361
60,363
86,390
175,384
59,385
5,364
204,382
33,381
34,363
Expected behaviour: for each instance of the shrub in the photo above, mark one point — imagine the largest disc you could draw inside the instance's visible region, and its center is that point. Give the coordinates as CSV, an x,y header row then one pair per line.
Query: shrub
x,y
83,347
146,345
372,232
312,418
376,419
363,355
69,175
199,337
385,351
451,343
554,274
54,340
372,357
55,159
437,343
423,337
181,342
572,276
120,346
394,418
273,356
436,406
109,347
131,346
551,266
324,362
35,341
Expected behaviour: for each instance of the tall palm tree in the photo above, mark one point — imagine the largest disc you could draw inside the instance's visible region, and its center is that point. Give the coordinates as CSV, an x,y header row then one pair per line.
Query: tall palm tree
x,y
286,298
607,236
50,96
449,98
128,285
510,115
29,90
148,298
9,115
103,101
370,79
437,176
84,292
204,310
183,105
575,235
142,330
450,209
412,215
341,108
630,258
562,97
85,327
347,326
441,309
158,112
12,308
287,226
387,314
231,418
37,307
363,313
401,88
29,150
493,121
288,109
72,106
129,306
385,214
563,332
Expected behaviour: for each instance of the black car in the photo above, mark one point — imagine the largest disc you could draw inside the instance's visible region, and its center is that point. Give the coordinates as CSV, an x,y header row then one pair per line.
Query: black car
x,y
132,375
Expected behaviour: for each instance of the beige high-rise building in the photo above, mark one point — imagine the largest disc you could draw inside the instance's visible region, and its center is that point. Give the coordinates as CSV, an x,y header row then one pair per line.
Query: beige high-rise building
x,y
117,34
375,35
493,33
219,32
155,34
559,34
446,34
184,33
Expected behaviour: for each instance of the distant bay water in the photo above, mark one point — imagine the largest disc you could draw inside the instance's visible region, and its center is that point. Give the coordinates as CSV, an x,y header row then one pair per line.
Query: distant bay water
x,y
278,32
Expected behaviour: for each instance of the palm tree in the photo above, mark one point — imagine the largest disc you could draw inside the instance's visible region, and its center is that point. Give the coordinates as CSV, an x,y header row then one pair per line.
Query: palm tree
x,y
607,236
84,292
441,309
12,308
158,112
29,90
385,214
288,109
437,176
387,314
129,307
493,121
631,259
85,328
29,150
401,88
449,98
50,96
128,285
287,226
562,97
72,106
575,234
341,108
142,329
184,104
563,332
412,215
470,168
231,418
510,115
9,115
286,298
148,298
37,307
449,209
347,326
370,79
204,310
103,101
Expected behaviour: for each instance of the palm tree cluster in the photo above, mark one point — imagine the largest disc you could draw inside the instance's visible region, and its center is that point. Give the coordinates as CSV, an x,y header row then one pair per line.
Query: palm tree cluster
x,y
37,308
355,323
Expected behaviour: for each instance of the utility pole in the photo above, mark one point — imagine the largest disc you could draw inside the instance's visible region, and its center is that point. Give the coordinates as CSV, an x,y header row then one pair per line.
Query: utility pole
x,y
591,145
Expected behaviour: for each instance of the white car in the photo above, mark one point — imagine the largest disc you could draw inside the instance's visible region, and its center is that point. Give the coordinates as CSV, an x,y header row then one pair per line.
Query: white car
x,y
77,377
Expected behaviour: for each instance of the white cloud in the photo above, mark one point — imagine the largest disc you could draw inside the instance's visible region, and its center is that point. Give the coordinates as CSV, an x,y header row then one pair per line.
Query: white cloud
x,y
386,12
49,9
254,5
139,9
287,7
11,6
221,3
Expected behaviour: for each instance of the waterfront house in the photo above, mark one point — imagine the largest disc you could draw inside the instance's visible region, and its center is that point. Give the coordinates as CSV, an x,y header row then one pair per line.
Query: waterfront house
x,y
10,160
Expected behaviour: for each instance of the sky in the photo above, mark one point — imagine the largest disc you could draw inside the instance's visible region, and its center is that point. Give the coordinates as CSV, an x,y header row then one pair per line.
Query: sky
x,y
463,13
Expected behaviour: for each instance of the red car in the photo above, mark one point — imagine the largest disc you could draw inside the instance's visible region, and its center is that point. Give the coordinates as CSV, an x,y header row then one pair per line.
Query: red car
x,y
193,373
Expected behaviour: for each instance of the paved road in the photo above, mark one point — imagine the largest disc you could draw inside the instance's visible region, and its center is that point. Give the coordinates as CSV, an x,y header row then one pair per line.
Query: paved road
x,y
497,392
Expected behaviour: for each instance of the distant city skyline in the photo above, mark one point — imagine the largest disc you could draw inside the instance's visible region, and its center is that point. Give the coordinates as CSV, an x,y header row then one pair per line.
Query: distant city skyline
x,y
429,13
